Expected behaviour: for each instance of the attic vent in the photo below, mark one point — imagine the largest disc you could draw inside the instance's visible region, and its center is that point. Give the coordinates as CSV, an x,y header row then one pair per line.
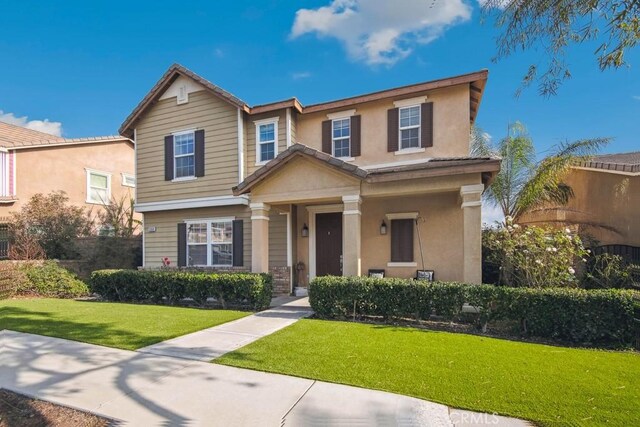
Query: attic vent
x,y
183,95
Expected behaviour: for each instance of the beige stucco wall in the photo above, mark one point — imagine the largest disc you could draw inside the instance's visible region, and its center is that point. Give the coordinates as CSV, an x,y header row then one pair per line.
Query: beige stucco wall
x,y
451,127
43,170
601,198
219,120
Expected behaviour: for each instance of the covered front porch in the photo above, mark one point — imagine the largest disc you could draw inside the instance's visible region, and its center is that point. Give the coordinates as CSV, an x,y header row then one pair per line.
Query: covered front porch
x,y
344,220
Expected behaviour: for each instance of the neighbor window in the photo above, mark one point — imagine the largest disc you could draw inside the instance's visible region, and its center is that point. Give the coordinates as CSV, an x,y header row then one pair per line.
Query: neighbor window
x,y
184,155
266,136
410,127
210,243
4,174
98,187
128,180
341,137
402,240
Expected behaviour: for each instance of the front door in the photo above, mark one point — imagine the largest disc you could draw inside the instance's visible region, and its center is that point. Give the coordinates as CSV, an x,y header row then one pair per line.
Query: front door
x,y
329,244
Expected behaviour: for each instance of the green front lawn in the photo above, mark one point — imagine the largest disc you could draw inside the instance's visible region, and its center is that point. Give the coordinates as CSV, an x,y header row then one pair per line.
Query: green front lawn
x,y
546,384
127,326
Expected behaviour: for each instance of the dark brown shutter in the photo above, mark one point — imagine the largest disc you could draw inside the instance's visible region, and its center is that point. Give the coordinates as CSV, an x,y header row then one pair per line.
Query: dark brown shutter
x,y
402,240
182,244
326,136
392,129
238,243
168,157
199,152
355,136
426,115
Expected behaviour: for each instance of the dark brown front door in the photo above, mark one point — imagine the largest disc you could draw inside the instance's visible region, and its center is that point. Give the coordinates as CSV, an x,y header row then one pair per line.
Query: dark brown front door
x,y
329,244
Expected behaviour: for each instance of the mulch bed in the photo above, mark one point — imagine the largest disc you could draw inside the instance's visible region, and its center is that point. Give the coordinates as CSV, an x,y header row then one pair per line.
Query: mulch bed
x,y
19,410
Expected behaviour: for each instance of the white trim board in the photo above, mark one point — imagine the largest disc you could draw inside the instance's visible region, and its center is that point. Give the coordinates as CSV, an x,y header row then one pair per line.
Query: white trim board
x,y
203,202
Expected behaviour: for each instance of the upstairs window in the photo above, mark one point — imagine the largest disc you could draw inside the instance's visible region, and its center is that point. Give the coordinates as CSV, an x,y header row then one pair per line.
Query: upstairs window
x,y
98,187
128,180
266,147
4,174
410,127
184,155
341,137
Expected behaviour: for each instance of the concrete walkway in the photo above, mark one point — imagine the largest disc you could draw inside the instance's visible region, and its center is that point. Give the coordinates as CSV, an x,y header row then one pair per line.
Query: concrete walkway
x,y
212,343
146,389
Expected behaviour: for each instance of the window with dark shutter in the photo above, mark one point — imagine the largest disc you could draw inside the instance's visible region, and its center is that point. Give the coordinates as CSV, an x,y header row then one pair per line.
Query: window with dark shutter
x,y
182,244
426,131
326,136
168,157
392,129
402,240
199,152
355,136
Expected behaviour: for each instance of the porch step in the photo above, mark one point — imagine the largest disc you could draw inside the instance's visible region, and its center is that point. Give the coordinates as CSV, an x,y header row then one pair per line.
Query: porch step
x,y
302,292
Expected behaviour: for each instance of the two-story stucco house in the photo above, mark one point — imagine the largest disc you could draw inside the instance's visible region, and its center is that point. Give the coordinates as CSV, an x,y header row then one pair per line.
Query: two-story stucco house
x,y
92,171
381,181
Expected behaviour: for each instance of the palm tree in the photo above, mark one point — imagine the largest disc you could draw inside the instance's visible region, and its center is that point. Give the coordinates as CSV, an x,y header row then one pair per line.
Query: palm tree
x,y
523,183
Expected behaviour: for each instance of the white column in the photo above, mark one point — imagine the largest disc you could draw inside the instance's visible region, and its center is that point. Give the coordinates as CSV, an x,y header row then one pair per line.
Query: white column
x,y
259,237
351,218
472,232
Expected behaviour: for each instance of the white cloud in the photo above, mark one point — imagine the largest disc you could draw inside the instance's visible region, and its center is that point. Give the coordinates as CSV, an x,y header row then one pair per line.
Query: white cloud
x,y
500,4
381,31
301,75
491,213
636,97
46,126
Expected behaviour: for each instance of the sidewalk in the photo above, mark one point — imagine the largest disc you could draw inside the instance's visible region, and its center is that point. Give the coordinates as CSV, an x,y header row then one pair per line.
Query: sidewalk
x,y
145,389
212,343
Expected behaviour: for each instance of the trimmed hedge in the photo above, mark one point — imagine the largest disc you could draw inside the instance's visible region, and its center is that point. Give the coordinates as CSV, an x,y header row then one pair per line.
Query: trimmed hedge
x,y
39,278
229,289
574,315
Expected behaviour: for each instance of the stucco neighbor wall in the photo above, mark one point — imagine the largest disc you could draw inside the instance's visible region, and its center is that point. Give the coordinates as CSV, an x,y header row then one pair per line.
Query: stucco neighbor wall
x,y
43,170
219,120
451,127
600,198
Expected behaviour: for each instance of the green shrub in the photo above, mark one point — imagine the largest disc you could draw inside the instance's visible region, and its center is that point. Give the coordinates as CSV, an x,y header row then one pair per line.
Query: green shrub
x,y
574,315
606,271
229,289
50,280
11,277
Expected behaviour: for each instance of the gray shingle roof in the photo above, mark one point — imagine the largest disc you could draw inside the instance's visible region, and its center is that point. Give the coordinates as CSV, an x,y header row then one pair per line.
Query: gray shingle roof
x,y
619,162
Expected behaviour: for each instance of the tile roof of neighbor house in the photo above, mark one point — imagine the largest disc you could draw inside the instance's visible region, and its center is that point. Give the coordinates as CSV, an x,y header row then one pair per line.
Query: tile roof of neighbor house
x,y
17,137
620,162
430,167
476,80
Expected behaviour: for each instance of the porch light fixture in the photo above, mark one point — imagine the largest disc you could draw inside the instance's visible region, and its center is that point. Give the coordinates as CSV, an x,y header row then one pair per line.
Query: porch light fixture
x,y
305,231
383,228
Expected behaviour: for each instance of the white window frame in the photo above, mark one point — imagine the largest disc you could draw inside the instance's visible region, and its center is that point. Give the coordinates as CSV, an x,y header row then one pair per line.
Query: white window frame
x,y
4,169
401,128
258,123
90,172
175,156
128,176
209,243
342,138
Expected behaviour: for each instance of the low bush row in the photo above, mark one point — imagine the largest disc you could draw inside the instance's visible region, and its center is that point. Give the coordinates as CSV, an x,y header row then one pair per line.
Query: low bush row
x,y
39,278
599,317
229,289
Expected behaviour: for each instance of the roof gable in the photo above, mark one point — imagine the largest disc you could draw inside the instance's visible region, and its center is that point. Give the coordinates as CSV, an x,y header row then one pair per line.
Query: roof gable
x,y
170,76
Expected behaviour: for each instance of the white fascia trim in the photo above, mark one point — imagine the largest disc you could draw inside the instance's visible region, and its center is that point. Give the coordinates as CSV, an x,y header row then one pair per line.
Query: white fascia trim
x,y
135,174
411,102
203,202
70,144
240,146
467,190
341,114
404,151
288,127
267,121
402,264
402,215
398,163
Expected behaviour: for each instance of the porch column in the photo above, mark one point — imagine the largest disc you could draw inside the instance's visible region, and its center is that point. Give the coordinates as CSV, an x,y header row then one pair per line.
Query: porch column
x,y
259,237
351,257
472,232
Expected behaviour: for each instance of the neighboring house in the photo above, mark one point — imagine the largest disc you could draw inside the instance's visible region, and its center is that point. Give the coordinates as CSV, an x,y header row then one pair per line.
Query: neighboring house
x,y
381,181
606,203
90,170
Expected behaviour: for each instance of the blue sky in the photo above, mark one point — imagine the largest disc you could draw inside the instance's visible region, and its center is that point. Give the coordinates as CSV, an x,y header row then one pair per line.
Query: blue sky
x,y
87,64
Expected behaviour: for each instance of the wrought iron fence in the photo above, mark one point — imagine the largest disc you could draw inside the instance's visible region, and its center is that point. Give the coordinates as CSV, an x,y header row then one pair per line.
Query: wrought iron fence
x,y
4,241
630,254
